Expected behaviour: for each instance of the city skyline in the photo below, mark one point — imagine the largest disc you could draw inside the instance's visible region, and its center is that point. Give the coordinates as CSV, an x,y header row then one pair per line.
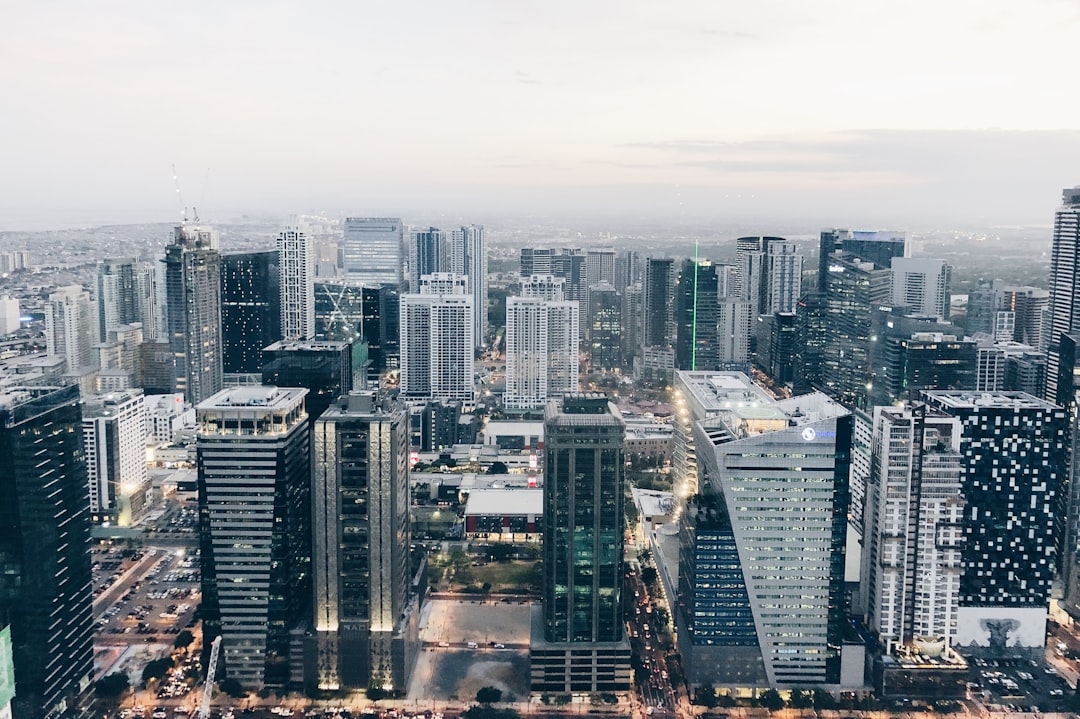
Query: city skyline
x,y
936,114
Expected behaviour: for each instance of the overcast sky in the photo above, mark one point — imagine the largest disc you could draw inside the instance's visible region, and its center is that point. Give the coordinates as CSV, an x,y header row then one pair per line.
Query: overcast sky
x,y
834,111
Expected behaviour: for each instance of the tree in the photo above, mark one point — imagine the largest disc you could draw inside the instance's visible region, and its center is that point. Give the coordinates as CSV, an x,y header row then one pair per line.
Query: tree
x,y
705,696
183,639
112,685
801,699
824,700
771,700
497,468
156,669
232,687
488,695
649,576
375,693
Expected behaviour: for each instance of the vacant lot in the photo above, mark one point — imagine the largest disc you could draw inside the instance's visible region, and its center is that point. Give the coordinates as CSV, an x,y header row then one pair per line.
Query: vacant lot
x,y
515,577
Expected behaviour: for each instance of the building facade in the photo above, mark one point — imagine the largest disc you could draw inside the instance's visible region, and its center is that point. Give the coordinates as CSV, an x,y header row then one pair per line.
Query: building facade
x,y
1064,285
114,440
437,340
296,267
250,309
372,251
193,291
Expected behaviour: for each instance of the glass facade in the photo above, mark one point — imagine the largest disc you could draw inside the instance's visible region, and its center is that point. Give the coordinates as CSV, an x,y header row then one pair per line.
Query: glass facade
x,y
250,309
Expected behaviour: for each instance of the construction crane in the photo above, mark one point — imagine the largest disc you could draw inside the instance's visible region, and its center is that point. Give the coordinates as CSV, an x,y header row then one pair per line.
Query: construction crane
x,y
208,690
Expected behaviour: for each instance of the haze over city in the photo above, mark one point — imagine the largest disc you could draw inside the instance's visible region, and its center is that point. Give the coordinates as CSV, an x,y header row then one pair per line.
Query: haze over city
x,y
842,112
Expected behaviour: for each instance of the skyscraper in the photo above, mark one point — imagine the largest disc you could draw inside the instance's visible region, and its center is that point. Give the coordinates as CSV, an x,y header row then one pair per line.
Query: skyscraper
x,y
761,555
365,623
428,253
697,301
468,258
117,294
542,339
296,265
372,251
578,643
922,285
1064,286
70,327
114,438
437,340
250,309
878,247
659,301
45,588
605,328
327,370
193,289
255,529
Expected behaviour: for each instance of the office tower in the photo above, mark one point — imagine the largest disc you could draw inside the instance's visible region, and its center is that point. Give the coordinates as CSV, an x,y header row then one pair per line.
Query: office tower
x,y
152,300
905,365
605,328
922,285
535,261
761,538
468,258
542,339
853,292
1064,285
1069,555
296,279
778,346
659,301
600,267
339,312
117,294
381,326
437,340
428,253
365,622
70,326
255,528
633,321
156,368
251,312
193,289
1014,467
327,370
578,643
9,315
114,438
696,307
1030,308
733,324
769,274
372,251
914,526
878,247
362,316
45,589
628,269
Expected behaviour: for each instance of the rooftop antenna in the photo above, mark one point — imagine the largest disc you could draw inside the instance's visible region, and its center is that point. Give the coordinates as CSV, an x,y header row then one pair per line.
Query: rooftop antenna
x,y
180,197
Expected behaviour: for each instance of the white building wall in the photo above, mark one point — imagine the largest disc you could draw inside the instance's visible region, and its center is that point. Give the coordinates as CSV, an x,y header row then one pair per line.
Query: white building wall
x,y
296,267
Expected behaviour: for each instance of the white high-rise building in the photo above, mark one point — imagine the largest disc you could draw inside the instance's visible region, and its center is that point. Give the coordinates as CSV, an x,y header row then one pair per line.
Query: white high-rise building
x,y
468,257
71,326
734,320
922,284
437,340
114,440
9,315
372,251
1064,286
296,266
542,338
914,525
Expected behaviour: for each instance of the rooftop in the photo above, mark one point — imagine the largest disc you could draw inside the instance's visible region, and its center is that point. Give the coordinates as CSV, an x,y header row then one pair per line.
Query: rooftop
x,y
254,396
501,502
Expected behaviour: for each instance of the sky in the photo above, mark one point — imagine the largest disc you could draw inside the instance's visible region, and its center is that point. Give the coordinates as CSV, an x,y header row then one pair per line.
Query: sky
x,y
837,112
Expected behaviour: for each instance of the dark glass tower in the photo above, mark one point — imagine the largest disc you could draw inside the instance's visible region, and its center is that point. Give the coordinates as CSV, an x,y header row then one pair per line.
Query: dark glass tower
x,y
193,294
250,309
578,642
605,328
659,301
697,346
45,587
325,369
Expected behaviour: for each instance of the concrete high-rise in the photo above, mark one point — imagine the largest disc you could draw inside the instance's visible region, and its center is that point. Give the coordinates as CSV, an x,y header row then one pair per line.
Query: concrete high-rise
x,y
250,309
255,529
921,284
296,267
1064,286
9,315
45,589
542,338
114,439
428,253
372,251
437,340
762,536
117,294
193,291
578,643
71,327
769,274
468,258
365,618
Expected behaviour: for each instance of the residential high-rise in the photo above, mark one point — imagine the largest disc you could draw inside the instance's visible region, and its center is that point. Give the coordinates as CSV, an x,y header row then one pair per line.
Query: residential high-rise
x,y
428,253
567,263
762,535
659,301
733,325
117,294
437,340
542,339
45,589
372,251
696,310
296,265
914,518
769,274
922,285
70,326
1064,286
327,370
468,258
255,529
600,266
578,643
114,439
1014,468
152,300
250,309
365,620
193,289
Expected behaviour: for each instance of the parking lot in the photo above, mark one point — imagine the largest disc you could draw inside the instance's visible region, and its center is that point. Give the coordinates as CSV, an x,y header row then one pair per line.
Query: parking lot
x,y
1018,685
